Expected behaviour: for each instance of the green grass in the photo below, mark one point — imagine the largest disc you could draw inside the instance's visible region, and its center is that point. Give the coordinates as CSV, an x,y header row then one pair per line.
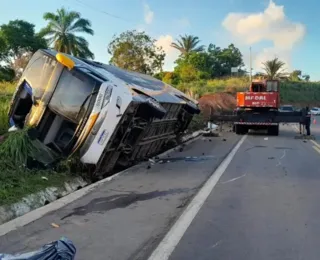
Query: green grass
x,y
16,181
6,91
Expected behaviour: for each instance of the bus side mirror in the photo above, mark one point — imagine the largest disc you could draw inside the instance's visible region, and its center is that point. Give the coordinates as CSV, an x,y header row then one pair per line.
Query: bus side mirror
x,y
65,60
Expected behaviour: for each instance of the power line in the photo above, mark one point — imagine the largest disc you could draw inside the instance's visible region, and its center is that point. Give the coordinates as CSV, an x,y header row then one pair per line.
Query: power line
x,y
101,11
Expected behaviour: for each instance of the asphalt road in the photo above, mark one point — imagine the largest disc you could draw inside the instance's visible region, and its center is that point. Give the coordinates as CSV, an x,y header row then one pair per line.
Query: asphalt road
x,y
265,205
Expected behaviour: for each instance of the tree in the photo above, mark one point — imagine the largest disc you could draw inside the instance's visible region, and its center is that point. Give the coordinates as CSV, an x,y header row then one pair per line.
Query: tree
x,y
136,51
18,37
62,29
187,44
193,66
215,62
6,73
18,41
274,68
224,59
306,78
170,78
295,75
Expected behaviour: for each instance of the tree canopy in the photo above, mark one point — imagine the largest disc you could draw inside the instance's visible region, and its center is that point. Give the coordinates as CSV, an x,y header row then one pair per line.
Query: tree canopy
x,y
18,37
62,29
136,51
212,63
18,40
187,44
274,69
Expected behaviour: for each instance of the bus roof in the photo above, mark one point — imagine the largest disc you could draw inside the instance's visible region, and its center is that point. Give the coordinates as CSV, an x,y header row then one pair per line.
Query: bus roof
x,y
145,83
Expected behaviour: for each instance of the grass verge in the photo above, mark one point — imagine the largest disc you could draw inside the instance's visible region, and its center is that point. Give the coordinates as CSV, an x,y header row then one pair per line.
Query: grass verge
x,y
16,181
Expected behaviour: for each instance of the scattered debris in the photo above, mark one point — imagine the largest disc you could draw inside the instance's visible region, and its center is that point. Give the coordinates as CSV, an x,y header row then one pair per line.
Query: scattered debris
x,y
224,139
234,179
216,244
152,161
60,249
44,178
211,134
305,137
55,225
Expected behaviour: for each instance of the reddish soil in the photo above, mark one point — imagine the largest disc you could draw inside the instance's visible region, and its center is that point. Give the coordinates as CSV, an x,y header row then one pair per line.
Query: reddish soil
x,y
217,102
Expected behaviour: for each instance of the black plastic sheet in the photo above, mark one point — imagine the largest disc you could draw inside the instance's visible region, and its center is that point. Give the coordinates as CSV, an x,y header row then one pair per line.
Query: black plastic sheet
x,y
62,249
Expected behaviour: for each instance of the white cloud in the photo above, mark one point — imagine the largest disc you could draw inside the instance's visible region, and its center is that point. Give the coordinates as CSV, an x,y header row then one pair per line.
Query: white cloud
x,y
148,14
172,54
270,25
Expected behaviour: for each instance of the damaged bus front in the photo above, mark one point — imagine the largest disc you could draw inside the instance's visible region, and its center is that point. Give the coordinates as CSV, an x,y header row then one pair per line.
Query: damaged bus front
x,y
110,117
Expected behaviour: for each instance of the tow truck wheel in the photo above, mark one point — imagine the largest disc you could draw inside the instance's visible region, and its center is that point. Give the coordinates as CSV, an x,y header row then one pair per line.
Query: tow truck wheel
x,y
276,130
273,130
241,130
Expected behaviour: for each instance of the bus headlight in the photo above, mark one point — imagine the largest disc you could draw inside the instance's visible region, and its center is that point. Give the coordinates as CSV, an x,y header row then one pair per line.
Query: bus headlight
x,y
98,123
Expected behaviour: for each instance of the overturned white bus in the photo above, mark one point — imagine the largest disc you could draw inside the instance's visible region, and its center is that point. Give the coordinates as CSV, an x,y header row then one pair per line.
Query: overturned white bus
x,y
109,116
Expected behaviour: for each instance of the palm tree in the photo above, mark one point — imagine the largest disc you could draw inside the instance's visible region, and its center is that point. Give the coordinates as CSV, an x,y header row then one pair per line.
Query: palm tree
x,y
187,44
62,29
274,68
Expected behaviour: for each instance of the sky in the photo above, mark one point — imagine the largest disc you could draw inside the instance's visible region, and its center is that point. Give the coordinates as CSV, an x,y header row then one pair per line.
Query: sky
x,y
287,29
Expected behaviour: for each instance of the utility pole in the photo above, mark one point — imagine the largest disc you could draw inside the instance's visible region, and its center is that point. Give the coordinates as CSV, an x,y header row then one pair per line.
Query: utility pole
x,y
250,66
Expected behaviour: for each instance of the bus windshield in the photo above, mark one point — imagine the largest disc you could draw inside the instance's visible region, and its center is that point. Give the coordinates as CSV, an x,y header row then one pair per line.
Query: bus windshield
x,y
70,96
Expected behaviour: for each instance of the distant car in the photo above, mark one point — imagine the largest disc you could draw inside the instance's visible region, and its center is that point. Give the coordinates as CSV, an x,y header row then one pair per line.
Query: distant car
x,y
315,111
286,108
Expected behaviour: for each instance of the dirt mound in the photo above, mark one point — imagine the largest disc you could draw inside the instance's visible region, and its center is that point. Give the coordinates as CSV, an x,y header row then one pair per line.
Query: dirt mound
x,y
217,102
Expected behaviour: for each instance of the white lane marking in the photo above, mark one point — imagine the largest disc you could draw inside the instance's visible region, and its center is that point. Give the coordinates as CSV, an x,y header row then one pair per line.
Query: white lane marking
x,y
316,148
172,238
284,154
315,143
234,179
279,160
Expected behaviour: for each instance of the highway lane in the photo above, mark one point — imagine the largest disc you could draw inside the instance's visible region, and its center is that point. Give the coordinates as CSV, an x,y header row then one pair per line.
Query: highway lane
x,y
265,205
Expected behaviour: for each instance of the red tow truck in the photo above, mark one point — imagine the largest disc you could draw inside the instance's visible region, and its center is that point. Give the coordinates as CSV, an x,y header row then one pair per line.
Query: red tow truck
x,y
258,108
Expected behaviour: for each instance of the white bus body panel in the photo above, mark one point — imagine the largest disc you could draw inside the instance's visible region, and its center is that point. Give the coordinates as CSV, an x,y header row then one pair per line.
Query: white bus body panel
x,y
112,116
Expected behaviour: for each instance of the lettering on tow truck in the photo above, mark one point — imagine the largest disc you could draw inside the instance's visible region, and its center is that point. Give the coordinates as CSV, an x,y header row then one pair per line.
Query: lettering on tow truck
x,y
255,98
